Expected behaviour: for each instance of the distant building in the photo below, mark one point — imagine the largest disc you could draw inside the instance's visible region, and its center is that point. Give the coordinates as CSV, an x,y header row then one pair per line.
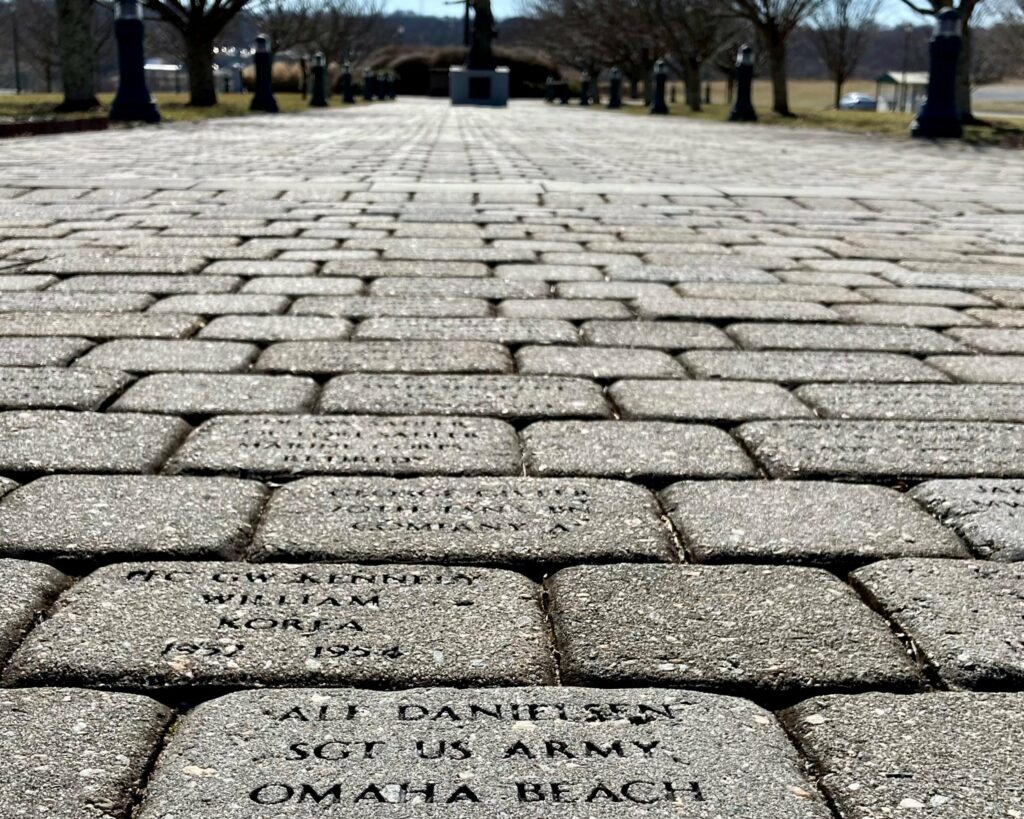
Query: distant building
x,y
901,90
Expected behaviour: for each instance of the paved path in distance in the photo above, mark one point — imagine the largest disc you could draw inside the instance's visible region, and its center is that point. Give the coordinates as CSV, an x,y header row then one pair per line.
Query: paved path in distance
x,y
544,462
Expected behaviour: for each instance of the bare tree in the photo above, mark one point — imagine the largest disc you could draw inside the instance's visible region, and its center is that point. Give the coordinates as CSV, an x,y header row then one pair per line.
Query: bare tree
x,y
694,32
967,9
1007,36
345,29
199,22
593,34
775,21
285,22
77,54
842,30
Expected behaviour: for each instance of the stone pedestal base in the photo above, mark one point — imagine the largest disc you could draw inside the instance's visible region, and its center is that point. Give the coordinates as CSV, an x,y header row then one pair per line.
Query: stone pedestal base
x,y
472,86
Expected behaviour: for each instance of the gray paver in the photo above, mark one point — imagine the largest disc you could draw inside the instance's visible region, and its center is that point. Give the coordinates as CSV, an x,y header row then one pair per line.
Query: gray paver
x,y
629,753
904,315
923,402
989,340
508,521
166,355
99,325
276,328
603,363
981,369
732,309
944,754
806,366
663,335
965,617
412,357
618,449
58,387
54,351
867,338
507,396
89,517
802,522
867,450
220,625
361,445
219,303
26,590
704,401
988,514
501,330
61,441
70,753
374,306
217,394
790,630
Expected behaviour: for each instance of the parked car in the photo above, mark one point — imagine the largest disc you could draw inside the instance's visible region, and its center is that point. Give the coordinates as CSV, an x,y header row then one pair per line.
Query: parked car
x,y
858,102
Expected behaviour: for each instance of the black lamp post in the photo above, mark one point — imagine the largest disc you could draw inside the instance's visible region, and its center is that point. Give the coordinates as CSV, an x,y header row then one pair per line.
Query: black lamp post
x,y
658,105
743,109
615,89
347,93
132,103
262,89
585,88
318,97
939,117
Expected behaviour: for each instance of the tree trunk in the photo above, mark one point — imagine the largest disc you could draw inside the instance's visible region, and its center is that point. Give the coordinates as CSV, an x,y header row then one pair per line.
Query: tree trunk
x,y
963,76
838,91
74,33
691,79
634,88
199,62
777,63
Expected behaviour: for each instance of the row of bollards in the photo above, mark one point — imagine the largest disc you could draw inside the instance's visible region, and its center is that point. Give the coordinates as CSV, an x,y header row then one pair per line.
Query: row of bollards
x,y
134,103
938,118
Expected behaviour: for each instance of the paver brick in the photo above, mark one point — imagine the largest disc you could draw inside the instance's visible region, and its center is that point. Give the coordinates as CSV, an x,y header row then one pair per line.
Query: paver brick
x,y
222,625
626,752
810,522
770,631
72,753
946,754
988,514
965,617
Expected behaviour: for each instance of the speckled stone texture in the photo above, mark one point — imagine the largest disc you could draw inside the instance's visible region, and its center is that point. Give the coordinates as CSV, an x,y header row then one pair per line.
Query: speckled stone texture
x,y
638,449
149,626
91,517
886,450
965,617
75,754
513,396
518,752
512,521
769,631
989,515
26,590
34,441
954,755
370,445
812,522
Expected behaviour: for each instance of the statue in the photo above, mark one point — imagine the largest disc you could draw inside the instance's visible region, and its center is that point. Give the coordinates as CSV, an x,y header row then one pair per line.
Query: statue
x,y
481,56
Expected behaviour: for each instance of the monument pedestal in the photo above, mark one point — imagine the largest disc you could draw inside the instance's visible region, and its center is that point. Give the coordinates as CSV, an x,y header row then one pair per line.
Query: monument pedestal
x,y
476,86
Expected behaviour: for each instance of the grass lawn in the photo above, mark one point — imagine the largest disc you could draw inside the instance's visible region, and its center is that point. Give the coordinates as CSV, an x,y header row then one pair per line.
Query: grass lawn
x,y
173,107
811,101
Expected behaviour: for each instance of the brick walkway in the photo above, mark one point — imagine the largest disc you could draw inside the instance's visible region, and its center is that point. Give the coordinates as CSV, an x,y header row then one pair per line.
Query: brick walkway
x,y
540,463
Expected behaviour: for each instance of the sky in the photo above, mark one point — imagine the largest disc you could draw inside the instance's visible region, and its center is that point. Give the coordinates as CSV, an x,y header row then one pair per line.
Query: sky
x,y
893,11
